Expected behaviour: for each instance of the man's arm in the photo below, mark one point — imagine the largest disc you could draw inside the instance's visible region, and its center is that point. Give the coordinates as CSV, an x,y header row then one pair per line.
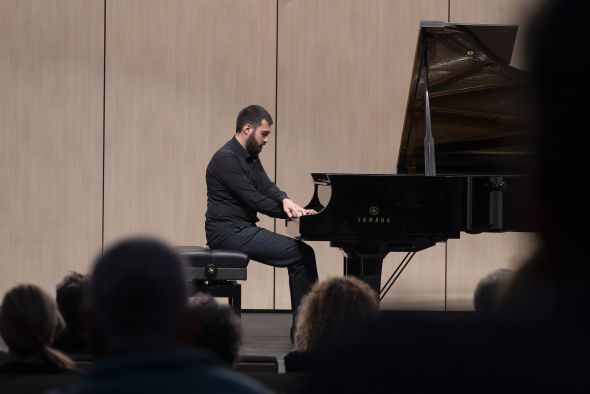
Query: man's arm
x,y
269,188
289,206
230,173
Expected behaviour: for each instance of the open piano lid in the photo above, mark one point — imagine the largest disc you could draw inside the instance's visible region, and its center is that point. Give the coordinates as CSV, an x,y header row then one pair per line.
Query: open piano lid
x,y
478,102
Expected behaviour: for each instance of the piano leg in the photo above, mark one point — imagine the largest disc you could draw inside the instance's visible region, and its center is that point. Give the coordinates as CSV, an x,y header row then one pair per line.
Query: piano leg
x,y
364,267
365,260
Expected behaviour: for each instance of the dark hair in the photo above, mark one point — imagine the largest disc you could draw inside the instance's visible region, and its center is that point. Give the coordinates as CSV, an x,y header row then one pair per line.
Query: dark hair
x,y
252,114
138,293
214,327
29,320
489,289
70,295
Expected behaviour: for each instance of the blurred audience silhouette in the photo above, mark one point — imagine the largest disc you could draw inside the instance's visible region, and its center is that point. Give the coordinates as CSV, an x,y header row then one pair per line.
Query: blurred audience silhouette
x,y
213,327
334,310
29,320
71,294
138,300
552,284
489,290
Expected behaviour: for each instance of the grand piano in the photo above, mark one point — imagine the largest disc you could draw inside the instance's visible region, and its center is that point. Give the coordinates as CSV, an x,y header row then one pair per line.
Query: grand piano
x,y
463,163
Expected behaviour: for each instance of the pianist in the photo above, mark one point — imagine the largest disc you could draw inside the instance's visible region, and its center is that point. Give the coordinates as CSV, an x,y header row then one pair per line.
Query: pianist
x,y
238,188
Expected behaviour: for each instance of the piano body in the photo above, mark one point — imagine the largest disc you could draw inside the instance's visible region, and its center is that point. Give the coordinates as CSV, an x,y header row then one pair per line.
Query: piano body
x,y
462,165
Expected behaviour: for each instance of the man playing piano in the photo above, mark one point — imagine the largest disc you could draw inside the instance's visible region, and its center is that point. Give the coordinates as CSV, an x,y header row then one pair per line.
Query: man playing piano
x,y
238,188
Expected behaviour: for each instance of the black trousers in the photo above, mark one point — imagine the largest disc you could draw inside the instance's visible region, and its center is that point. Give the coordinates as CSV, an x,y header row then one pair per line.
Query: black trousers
x,y
279,251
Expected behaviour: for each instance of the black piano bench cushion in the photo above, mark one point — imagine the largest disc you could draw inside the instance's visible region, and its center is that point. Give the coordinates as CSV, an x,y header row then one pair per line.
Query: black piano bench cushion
x,y
197,256
216,272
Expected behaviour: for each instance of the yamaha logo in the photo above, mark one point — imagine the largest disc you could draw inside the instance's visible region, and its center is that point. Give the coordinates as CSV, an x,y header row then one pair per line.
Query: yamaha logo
x,y
373,217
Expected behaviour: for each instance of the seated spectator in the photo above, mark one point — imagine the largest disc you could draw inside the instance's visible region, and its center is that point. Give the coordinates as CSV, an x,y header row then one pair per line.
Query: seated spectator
x,y
138,300
75,339
3,354
552,285
489,289
213,327
333,310
29,320
3,357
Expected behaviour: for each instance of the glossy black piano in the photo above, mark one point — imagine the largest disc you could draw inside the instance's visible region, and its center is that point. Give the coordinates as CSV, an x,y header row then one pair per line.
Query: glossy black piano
x,y
463,162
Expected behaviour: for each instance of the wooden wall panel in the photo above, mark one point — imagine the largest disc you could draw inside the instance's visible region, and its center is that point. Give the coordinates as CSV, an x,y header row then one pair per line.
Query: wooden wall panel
x,y
421,286
474,256
177,74
343,75
51,79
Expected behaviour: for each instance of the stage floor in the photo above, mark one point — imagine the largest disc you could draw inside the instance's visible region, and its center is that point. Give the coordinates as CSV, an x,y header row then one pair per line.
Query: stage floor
x,y
266,334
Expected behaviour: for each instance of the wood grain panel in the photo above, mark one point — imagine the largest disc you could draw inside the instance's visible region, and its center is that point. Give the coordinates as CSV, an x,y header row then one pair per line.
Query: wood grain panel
x,y
421,286
474,256
178,72
343,77
51,78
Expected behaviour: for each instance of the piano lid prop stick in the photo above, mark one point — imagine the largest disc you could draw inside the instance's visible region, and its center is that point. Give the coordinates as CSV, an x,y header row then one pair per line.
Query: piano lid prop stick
x,y
429,160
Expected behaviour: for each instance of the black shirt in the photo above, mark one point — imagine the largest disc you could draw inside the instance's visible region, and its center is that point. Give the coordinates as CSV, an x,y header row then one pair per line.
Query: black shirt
x,y
238,188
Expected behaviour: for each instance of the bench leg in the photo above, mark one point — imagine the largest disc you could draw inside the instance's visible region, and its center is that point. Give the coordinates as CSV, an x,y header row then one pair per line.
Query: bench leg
x,y
235,300
231,290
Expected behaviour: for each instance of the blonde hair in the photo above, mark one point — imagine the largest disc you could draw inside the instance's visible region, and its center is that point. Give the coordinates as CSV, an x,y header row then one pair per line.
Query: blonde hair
x,y
29,320
332,309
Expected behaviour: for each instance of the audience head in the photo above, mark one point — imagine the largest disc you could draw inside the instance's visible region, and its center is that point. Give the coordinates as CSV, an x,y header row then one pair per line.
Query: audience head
x,y
489,289
70,295
333,309
213,327
553,282
138,295
29,320
562,146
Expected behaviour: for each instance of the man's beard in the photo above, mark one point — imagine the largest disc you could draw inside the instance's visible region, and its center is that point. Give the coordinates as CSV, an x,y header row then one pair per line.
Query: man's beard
x,y
252,146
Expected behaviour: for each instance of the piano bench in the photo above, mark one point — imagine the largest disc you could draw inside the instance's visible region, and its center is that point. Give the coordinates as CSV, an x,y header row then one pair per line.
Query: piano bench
x,y
215,272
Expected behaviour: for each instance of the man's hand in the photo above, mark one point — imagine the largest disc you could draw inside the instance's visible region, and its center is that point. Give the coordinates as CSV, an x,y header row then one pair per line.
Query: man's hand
x,y
294,211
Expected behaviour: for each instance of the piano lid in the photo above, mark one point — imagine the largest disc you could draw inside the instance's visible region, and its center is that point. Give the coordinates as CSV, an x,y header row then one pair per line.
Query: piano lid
x,y
478,102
